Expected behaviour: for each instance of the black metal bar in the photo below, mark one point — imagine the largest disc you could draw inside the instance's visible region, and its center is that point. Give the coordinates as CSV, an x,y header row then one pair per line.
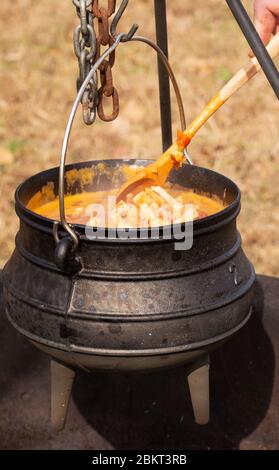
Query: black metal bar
x,y
164,82
255,43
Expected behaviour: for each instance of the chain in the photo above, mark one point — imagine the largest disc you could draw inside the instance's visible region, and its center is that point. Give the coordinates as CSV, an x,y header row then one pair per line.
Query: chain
x,y
87,47
107,89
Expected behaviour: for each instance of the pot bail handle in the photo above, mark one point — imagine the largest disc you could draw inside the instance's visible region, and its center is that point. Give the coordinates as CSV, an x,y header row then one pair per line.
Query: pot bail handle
x,y
71,234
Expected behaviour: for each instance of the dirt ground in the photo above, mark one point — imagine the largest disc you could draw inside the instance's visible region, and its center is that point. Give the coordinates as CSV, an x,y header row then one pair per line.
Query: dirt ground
x,y
37,86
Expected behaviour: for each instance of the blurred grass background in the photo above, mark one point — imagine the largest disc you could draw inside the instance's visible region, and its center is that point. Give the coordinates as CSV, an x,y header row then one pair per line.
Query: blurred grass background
x,y
38,72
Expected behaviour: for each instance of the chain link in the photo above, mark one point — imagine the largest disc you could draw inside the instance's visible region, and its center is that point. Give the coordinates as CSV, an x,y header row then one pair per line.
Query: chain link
x,y
87,47
98,11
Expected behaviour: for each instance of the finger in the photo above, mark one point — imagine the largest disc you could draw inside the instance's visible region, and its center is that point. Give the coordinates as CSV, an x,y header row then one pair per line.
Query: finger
x,y
265,20
266,29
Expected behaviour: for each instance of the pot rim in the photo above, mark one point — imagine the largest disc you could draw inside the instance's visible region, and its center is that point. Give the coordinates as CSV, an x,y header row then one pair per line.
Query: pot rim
x,y
199,226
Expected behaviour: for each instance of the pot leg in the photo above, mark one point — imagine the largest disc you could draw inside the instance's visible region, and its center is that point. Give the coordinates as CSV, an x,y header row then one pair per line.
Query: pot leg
x,y
198,380
62,378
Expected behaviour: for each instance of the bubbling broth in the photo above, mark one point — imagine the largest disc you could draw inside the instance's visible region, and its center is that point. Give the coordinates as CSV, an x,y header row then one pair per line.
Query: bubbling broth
x,y
152,207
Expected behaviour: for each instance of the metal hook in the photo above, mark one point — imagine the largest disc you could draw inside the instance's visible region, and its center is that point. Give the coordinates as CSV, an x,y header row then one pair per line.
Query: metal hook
x,y
117,18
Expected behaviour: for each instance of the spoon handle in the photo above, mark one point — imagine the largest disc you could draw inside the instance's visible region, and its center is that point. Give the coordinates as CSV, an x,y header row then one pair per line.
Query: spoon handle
x,y
248,71
236,82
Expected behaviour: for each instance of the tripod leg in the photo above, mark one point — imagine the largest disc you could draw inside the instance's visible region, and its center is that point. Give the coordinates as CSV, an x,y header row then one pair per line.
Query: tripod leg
x,y
198,380
62,378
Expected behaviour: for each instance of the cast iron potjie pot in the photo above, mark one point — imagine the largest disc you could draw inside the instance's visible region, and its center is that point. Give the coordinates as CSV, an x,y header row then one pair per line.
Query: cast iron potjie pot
x,y
130,304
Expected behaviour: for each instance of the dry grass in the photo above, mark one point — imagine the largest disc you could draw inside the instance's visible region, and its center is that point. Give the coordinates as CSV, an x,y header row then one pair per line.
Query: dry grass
x,y
37,83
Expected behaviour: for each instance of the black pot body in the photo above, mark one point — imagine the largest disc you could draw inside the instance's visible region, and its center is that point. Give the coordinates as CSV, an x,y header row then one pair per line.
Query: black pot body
x,y
133,304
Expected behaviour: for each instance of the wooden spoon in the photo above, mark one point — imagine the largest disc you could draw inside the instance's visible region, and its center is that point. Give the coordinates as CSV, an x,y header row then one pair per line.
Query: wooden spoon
x,y
157,173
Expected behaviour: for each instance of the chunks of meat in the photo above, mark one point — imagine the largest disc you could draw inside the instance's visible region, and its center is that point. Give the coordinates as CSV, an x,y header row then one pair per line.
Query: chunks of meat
x,y
152,207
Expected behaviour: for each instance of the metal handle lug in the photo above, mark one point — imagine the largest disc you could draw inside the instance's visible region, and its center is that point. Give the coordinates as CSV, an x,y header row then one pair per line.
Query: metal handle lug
x,y
65,256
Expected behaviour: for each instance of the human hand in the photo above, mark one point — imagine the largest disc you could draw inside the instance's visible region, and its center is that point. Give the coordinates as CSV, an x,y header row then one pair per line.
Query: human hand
x,y
266,18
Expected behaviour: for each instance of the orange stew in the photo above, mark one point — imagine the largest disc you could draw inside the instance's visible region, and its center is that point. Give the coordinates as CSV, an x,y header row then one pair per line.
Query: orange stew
x,y
153,207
